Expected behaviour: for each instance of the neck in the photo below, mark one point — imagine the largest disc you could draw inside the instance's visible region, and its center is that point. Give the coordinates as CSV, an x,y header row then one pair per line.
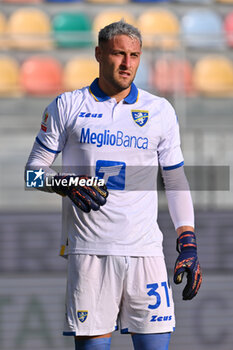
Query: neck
x,y
109,90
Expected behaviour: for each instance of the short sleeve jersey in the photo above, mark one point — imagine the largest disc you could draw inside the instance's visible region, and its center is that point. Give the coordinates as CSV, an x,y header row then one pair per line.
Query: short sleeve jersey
x,y
124,143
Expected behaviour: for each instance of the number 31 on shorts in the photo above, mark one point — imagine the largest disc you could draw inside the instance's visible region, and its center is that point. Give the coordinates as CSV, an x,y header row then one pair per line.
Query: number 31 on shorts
x,y
153,292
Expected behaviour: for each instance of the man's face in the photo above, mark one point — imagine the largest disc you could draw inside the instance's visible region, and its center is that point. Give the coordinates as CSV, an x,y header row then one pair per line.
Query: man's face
x,y
118,59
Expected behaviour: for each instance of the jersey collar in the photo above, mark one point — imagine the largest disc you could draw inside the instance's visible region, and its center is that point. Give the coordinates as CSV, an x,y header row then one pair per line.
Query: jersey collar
x,y
100,96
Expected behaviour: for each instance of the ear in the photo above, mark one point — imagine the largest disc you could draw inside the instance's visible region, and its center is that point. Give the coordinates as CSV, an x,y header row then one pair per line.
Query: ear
x,y
98,53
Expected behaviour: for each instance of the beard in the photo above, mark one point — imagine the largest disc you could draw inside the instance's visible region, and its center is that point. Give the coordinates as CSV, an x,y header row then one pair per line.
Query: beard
x,y
121,84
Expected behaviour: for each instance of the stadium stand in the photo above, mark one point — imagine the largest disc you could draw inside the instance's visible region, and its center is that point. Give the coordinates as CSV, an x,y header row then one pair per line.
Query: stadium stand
x,y
105,17
109,1
32,275
142,79
150,1
23,2
63,1
29,29
41,76
202,28
79,72
172,76
194,2
9,77
228,27
2,23
2,30
213,76
225,1
160,28
72,29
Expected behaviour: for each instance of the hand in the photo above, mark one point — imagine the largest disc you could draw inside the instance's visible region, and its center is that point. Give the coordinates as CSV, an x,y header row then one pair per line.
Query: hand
x,y
187,261
84,197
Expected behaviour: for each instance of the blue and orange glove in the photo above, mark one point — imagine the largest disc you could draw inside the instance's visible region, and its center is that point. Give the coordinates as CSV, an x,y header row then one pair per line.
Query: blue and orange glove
x,y
187,261
84,197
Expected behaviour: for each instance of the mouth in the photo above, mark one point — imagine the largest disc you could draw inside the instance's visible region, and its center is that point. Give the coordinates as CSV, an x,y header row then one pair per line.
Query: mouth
x,y
124,73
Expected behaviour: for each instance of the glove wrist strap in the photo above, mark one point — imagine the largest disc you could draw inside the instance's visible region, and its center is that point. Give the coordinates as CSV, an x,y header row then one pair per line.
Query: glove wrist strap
x,y
186,241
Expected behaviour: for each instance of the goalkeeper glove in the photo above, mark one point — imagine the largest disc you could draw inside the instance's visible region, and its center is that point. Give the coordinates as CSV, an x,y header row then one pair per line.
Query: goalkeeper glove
x,y
84,197
187,261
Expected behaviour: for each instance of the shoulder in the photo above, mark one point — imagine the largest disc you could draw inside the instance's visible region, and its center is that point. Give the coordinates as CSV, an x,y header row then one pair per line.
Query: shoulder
x,y
65,105
157,103
69,98
145,96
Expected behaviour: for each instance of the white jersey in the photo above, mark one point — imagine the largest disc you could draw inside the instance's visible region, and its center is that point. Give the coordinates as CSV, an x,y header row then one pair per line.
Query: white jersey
x,y
123,143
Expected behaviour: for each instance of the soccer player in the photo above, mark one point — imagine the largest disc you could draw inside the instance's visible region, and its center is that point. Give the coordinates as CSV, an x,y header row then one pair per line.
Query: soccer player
x,y
114,131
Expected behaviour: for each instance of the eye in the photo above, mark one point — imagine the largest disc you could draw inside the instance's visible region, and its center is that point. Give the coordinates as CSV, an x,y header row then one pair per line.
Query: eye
x,y
117,53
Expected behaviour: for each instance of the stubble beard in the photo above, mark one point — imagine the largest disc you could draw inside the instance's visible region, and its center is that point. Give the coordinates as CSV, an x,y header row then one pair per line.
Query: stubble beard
x,y
121,85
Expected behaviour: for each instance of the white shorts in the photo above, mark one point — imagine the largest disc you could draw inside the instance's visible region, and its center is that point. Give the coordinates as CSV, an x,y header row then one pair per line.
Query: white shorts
x,y
105,293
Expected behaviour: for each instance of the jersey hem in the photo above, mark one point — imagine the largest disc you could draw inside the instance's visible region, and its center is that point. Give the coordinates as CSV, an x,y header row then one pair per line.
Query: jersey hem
x,y
148,331
89,332
155,252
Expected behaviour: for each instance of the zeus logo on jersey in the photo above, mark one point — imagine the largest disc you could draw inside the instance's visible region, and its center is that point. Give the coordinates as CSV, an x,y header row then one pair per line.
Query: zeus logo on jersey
x,y
88,115
112,172
118,139
140,117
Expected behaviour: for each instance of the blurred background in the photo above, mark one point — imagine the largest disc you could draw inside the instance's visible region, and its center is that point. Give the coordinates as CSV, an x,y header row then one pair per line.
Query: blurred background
x,y
47,47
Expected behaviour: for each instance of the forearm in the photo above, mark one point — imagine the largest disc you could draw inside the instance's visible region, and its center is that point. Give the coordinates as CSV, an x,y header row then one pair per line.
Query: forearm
x,y
179,199
182,229
85,197
40,158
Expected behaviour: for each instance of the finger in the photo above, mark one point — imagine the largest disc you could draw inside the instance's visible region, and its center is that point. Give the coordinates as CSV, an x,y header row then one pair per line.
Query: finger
x,y
82,200
196,280
97,194
179,274
179,277
88,200
188,288
192,286
102,190
196,287
81,205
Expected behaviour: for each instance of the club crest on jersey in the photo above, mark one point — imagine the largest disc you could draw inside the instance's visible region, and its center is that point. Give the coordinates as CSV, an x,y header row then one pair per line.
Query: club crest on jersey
x,y
82,315
140,117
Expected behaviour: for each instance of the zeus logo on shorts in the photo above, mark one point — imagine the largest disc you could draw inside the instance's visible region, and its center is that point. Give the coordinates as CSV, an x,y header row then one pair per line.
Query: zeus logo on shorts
x,y
82,315
112,172
90,115
156,318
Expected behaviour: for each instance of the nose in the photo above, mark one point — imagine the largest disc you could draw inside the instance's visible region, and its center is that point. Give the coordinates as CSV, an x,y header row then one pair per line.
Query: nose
x,y
126,61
